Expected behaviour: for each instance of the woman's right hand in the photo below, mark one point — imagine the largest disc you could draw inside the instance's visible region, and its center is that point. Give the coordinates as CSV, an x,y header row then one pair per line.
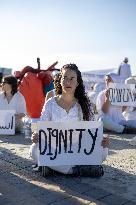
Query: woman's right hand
x,y
35,137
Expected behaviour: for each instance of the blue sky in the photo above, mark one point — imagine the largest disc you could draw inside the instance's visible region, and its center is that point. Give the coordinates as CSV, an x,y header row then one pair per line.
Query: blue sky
x,y
94,34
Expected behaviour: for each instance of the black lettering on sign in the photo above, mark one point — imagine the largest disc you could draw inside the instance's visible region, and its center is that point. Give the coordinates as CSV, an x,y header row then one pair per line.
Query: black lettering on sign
x,y
131,94
114,91
94,139
135,97
49,141
119,92
55,134
42,133
63,138
80,138
125,96
63,141
70,140
121,95
9,126
12,123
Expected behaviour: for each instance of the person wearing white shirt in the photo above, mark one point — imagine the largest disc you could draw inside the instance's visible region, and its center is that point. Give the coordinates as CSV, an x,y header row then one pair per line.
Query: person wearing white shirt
x,y
130,113
12,99
71,104
112,115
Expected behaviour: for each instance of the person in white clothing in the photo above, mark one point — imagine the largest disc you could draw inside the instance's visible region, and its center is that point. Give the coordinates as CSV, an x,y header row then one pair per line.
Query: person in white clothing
x,y
71,104
111,115
130,112
124,70
12,99
131,80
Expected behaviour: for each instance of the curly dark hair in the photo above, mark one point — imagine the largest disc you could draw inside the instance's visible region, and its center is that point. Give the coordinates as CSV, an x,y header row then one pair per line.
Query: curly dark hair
x,y
57,85
12,81
80,93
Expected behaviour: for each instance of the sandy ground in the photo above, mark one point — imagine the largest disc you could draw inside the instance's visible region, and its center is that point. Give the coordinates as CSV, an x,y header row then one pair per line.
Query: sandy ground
x,y
117,186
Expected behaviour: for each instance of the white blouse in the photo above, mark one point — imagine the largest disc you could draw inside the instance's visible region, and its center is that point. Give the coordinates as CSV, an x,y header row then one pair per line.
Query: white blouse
x,y
115,112
17,103
53,112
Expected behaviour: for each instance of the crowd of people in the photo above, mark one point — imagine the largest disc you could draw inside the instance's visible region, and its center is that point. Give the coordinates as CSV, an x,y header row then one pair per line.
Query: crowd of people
x,y
69,101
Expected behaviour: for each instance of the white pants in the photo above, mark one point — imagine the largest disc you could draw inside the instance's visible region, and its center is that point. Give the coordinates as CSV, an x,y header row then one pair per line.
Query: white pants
x,y
117,127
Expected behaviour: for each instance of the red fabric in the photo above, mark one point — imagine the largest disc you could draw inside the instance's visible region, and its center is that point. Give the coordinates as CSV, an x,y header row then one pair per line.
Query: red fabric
x,y
32,89
32,83
45,77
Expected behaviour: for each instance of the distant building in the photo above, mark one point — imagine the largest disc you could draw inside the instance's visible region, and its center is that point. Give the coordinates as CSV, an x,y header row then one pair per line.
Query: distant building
x,y
95,76
5,71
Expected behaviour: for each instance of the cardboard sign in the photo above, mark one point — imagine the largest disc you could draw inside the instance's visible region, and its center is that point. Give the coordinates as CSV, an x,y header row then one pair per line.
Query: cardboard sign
x,y
122,94
7,122
70,143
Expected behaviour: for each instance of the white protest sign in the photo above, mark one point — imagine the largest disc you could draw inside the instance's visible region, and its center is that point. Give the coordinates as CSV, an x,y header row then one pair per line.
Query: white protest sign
x,y
7,122
122,94
70,143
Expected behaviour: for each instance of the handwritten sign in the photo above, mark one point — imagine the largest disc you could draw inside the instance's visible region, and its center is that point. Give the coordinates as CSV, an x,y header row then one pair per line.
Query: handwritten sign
x,y
122,94
7,122
70,143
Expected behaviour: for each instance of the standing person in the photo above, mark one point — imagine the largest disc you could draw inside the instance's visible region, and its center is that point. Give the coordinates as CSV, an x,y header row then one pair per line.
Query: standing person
x,y
71,103
124,70
112,115
12,99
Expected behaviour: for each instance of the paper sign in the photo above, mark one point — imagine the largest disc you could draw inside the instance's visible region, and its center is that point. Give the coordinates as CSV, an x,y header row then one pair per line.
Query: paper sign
x,y
122,94
7,122
70,143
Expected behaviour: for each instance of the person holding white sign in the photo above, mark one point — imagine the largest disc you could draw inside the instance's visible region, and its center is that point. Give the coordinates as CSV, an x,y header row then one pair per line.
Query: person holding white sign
x,y
12,99
72,104
130,112
112,115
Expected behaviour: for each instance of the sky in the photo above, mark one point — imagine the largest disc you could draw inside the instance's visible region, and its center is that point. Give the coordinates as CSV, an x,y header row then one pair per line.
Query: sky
x,y
94,34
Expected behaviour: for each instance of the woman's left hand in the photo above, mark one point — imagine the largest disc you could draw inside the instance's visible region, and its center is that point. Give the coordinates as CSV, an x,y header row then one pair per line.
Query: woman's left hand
x,y
105,142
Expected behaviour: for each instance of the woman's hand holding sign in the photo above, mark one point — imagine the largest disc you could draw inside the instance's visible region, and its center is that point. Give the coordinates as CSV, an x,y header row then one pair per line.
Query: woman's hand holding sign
x,y
35,137
105,142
